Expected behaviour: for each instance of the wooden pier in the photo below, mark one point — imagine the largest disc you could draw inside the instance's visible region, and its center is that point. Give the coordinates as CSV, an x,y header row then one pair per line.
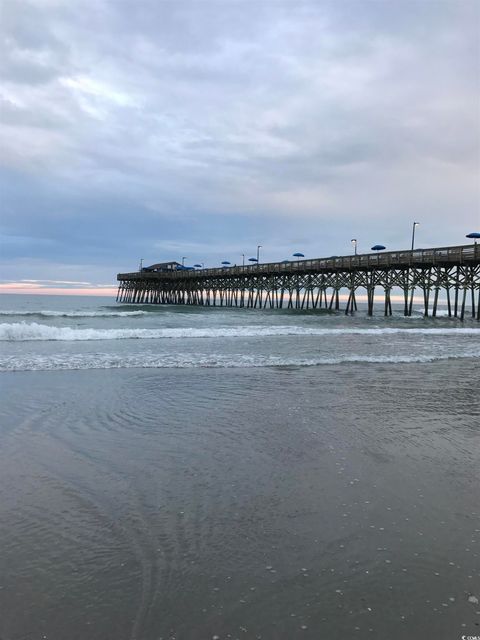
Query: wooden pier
x,y
450,272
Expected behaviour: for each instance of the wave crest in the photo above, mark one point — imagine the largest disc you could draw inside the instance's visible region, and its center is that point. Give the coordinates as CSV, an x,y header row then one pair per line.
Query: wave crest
x,y
23,331
73,314
59,362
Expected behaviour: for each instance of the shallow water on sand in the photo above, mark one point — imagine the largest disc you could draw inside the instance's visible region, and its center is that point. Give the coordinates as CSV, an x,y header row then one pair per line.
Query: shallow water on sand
x,y
176,487
273,503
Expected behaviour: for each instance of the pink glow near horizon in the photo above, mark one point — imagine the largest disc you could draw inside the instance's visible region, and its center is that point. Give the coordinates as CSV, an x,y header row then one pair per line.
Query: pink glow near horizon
x,y
28,288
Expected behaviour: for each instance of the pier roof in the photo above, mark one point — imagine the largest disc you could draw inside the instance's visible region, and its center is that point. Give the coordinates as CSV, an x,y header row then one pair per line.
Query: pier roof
x,y
163,266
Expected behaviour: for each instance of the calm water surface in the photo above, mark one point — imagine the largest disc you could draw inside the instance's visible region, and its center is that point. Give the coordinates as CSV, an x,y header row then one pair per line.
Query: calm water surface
x,y
176,473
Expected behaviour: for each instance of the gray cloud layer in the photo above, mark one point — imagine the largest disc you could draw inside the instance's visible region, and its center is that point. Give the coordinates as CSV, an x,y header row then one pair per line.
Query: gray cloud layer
x,y
133,129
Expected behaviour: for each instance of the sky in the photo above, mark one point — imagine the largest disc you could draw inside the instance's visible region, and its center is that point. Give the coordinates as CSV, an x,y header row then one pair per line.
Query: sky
x,y
159,129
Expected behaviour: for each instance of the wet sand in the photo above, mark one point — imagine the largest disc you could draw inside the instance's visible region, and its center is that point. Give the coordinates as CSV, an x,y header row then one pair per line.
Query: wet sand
x,y
275,503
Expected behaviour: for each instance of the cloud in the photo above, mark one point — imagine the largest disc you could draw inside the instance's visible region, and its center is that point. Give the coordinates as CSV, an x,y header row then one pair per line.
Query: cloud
x,y
147,129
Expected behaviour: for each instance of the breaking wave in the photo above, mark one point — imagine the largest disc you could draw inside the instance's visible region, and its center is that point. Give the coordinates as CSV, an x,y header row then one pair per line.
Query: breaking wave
x,y
74,314
23,331
59,362
440,313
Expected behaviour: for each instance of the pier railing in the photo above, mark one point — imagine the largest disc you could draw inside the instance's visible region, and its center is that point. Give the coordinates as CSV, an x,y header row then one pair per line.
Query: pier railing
x,y
462,254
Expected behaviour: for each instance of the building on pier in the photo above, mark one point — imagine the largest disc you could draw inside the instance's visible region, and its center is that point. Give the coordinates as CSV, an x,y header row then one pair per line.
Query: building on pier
x,y
162,267
452,272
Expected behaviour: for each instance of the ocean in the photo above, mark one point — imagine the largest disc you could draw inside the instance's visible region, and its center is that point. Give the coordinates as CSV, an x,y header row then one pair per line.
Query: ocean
x,y
194,473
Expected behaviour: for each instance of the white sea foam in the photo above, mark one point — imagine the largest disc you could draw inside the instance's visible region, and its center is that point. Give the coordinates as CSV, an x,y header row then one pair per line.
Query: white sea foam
x,y
23,331
440,313
187,360
74,314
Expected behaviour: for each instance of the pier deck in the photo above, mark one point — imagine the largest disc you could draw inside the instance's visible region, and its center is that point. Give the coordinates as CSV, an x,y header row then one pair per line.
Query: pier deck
x,y
318,283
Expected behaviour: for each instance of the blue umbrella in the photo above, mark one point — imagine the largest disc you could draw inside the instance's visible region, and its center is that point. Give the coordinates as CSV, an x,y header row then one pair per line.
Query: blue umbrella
x,y
200,266
226,262
298,255
284,261
188,269
378,247
474,234
252,260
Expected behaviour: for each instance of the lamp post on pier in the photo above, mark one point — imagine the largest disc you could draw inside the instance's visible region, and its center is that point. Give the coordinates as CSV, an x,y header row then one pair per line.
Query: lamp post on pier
x,y
183,260
258,252
415,225
243,259
354,242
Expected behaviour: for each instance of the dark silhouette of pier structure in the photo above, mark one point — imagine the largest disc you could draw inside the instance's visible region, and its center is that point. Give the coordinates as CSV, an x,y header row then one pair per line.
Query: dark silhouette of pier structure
x,y
448,273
